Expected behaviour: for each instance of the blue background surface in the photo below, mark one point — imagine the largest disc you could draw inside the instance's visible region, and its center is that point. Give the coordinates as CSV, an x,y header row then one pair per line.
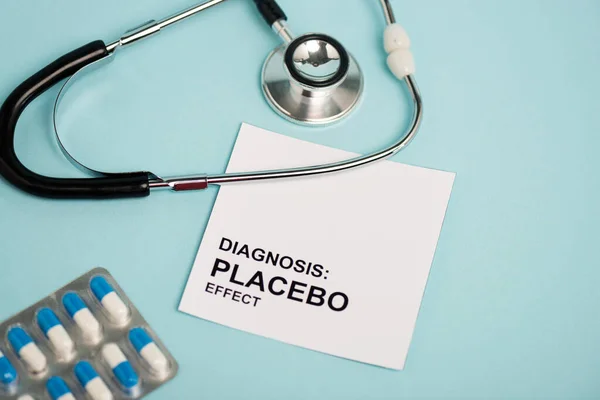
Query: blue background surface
x,y
511,90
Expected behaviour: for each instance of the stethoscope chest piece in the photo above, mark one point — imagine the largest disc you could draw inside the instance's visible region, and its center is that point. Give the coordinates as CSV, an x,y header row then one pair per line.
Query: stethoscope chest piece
x,y
312,81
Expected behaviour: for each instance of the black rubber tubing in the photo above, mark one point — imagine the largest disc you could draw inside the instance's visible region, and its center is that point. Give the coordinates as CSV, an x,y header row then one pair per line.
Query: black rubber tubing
x,y
135,184
270,10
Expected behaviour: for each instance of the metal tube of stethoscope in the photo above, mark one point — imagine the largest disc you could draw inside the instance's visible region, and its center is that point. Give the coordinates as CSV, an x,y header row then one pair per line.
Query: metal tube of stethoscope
x,y
201,182
281,28
221,179
152,27
388,11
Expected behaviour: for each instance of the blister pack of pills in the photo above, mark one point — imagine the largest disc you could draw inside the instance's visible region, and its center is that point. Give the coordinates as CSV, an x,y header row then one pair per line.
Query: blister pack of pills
x,y
85,341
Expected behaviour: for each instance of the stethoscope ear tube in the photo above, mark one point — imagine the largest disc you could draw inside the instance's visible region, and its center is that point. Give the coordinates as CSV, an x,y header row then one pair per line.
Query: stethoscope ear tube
x,y
108,186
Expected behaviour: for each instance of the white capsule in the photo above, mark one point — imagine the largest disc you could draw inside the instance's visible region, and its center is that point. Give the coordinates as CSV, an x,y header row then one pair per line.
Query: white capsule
x,y
156,359
61,342
98,390
116,308
33,357
113,355
25,397
89,325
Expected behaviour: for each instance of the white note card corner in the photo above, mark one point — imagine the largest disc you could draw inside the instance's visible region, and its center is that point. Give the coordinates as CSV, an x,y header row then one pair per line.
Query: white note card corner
x,y
336,263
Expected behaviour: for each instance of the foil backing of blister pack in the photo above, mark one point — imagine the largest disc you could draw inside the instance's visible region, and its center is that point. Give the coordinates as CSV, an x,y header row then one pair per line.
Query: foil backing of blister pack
x,y
35,384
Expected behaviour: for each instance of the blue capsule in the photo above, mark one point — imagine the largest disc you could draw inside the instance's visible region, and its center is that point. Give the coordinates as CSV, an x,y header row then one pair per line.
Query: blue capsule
x,y
58,389
149,351
73,303
47,320
83,317
18,338
100,287
8,373
92,382
139,338
116,309
56,333
85,373
120,366
27,350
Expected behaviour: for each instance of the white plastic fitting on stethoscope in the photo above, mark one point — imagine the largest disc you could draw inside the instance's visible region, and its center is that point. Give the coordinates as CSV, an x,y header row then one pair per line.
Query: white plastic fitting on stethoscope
x,y
397,44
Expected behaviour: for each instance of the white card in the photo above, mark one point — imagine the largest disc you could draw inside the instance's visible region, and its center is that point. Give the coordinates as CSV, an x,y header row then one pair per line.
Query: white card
x,y
335,263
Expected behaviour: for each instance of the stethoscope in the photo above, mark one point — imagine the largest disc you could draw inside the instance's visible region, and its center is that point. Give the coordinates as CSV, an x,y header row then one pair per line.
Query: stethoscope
x,y
310,79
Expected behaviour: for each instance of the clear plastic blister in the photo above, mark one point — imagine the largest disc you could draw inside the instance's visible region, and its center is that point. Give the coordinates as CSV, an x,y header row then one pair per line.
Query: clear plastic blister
x,y
85,341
